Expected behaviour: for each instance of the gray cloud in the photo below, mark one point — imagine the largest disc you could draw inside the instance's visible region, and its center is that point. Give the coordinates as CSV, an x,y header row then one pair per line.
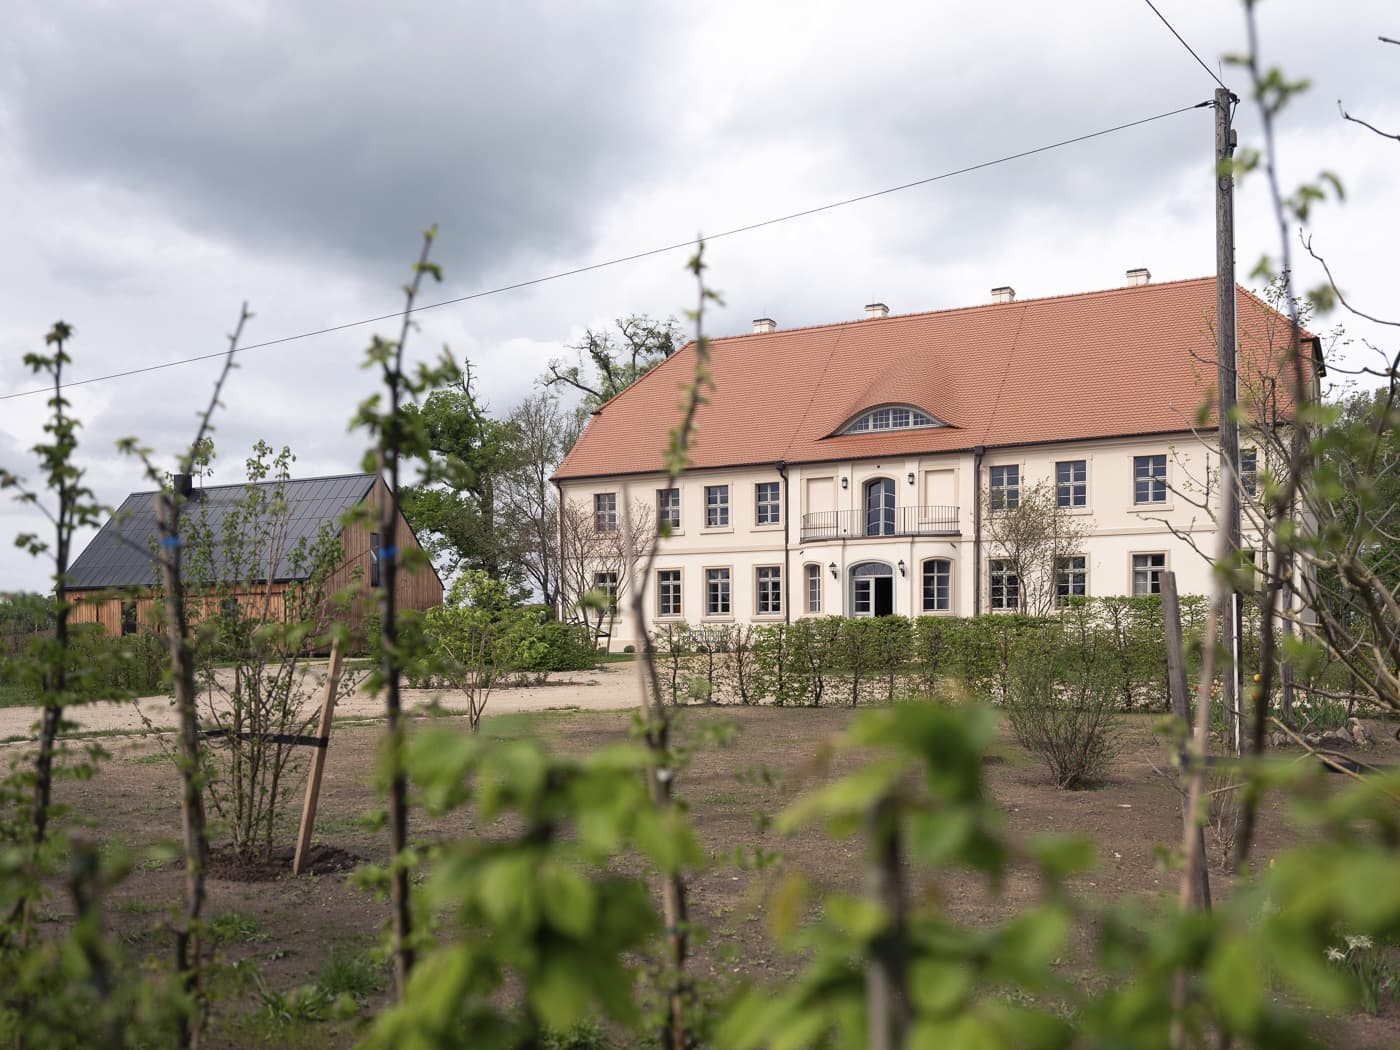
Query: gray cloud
x,y
348,127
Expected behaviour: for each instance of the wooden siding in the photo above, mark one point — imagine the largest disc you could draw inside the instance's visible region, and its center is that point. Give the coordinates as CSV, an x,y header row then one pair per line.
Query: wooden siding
x,y
419,590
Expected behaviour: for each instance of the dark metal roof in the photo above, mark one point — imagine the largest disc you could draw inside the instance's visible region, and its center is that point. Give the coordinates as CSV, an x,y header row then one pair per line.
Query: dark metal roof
x,y
120,554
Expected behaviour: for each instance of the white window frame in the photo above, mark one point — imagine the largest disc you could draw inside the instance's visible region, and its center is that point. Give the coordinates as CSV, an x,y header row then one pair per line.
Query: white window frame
x,y
717,509
928,568
606,581
813,573
1157,488
605,511
1074,487
1249,475
1153,572
668,514
1066,575
1001,577
1007,495
716,587
772,507
768,590
666,581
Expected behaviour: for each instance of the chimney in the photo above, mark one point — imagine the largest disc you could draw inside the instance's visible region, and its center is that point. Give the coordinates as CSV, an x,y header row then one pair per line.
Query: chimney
x,y
1139,276
1004,294
762,325
183,485
876,311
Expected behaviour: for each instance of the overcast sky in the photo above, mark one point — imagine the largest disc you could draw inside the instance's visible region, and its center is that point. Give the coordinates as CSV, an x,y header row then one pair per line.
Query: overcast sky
x,y
160,163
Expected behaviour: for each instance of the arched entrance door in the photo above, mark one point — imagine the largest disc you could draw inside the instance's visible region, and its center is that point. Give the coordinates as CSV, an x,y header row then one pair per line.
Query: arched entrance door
x,y
872,589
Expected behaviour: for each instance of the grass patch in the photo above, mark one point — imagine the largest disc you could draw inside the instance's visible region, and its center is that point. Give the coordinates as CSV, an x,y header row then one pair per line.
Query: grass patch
x,y
12,695
236,928
358,976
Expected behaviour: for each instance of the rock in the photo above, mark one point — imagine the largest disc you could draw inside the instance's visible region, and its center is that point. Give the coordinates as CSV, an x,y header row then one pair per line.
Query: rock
x,y
1337,738
1312,739
1278,739
1361,735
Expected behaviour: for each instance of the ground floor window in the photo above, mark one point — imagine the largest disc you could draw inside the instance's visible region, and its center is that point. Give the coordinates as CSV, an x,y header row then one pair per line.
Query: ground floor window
x,y
872,589
668,592
716,592
768,595
938,577
1004,587
814,588
1071,577
128,617
1147,573
606,584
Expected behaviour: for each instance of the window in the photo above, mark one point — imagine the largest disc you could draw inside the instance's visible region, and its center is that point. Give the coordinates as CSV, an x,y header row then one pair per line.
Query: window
x,y
1072,483
1004,492
716,506
374,559
605,511
768,600
1147,573
1150,479
768,503
1071,577
668,592
1249,471
879,507
1005,588
716,592
814,588
606,582
128,618
668,508
890,417
938,575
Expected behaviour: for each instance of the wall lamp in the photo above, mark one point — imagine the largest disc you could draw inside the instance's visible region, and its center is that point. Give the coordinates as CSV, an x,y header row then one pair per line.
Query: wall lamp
x,y
845,483
832,567
901,567
911,477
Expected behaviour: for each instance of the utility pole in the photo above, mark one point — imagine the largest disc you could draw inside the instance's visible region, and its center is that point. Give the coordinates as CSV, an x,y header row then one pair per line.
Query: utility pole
x,y
1227,385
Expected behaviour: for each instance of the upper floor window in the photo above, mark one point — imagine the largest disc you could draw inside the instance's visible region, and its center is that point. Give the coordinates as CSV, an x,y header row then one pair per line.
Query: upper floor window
x,y
668,508
374,559
814,588
890,417
938,577
716,506
1150,479
879,507
1072,483
768,503
1249,471
1004,487
605,511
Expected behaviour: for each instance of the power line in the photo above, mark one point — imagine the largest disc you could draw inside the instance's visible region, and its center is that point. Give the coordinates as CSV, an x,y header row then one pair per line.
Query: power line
x,y
621,259
1184,43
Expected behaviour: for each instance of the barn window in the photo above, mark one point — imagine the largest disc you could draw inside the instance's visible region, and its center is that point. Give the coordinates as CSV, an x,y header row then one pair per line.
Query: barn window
x,y
374,559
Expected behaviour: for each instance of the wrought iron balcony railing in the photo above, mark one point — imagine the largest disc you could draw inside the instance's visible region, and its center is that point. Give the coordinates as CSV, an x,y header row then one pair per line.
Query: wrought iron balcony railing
x,y
878,522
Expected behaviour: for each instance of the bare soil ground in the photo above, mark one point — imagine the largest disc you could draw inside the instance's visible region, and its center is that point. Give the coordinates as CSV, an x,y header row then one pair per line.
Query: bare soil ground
x,y
290,927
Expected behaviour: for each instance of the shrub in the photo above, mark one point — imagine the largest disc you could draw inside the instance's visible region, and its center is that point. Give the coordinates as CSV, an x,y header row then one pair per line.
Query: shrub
x,y
1060,701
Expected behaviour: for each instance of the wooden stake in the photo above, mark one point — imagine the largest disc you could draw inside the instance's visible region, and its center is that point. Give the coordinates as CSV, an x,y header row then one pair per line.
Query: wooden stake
x,y
1181,707
318,762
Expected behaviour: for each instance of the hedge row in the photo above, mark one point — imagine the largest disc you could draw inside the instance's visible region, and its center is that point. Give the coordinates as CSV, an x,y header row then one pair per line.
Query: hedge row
x,y
832,659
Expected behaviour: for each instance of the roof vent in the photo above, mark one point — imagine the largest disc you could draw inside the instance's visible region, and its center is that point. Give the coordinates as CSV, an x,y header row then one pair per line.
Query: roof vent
x,y
183,484
764,324
876,311
1141,275
1004,294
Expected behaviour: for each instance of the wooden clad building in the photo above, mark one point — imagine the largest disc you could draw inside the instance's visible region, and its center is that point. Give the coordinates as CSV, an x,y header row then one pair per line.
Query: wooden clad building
x,y
113,582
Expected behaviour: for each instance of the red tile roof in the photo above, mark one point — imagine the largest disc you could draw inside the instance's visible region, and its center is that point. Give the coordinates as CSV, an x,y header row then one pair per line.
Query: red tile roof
x,y
1131,360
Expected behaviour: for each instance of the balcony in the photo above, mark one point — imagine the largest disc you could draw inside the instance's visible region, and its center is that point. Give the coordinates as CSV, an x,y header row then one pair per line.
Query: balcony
x,y
859,524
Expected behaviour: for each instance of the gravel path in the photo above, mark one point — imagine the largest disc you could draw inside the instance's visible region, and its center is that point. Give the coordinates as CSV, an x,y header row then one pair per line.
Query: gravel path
x,y
609,689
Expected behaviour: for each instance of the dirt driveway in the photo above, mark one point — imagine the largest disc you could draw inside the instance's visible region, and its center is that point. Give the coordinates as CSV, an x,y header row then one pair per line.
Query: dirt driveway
x,y
610,689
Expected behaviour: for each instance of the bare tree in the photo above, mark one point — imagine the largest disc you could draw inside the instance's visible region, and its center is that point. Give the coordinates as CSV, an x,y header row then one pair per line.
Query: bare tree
x,y
597,563
1036,538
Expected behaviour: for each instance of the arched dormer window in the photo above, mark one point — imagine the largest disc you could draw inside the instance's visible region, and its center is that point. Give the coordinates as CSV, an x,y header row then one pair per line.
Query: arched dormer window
x,y
889,417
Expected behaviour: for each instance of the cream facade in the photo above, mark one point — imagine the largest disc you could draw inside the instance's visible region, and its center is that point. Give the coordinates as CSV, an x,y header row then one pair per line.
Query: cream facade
x,y
902,535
